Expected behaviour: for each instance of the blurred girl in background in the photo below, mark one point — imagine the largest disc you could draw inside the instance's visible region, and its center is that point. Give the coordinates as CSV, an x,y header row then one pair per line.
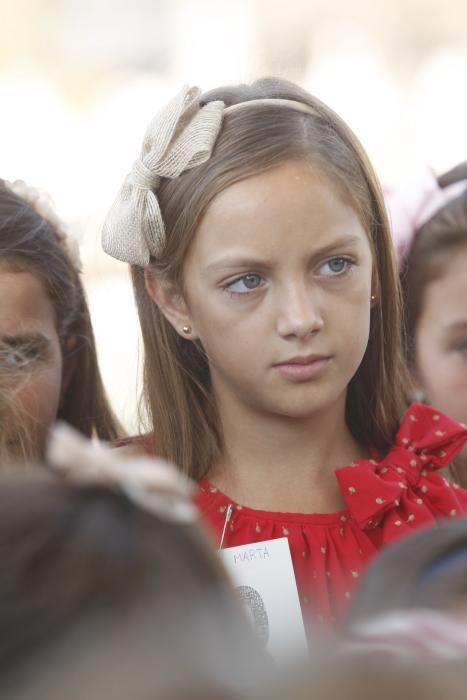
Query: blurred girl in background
x,y
411,603
429,220
425,571
48,361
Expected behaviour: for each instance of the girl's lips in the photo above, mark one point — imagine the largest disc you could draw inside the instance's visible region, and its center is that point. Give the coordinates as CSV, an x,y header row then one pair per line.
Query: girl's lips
x,y
300,369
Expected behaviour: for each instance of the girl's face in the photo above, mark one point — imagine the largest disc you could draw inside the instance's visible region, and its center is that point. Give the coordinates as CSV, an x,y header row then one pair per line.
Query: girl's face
x,y
441,340
278,290
31,360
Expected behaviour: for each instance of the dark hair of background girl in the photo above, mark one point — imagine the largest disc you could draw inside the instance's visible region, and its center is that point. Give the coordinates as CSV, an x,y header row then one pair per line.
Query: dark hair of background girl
x,y
425,570
434,245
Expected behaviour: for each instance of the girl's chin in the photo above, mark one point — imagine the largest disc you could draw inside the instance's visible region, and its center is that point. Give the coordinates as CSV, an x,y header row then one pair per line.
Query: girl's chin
x,y
299,413
309,412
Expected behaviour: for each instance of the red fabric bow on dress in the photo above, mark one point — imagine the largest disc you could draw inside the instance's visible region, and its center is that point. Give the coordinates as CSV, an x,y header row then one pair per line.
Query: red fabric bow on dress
x,y
404,484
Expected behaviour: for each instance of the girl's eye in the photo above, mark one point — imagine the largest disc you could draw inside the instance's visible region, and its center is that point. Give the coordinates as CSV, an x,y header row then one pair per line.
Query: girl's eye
x,y
335,267
245,284
19,358
462,346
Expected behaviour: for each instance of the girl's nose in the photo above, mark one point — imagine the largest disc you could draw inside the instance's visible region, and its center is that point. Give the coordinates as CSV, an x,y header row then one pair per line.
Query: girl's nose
x,y
299,314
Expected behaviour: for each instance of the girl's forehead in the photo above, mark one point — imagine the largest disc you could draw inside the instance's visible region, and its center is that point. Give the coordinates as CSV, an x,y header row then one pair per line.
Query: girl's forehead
x,y
24,303
291,205
291,179
446,294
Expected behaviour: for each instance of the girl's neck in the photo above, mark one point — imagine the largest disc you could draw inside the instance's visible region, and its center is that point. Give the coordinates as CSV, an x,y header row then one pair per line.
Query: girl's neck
x,y
285,465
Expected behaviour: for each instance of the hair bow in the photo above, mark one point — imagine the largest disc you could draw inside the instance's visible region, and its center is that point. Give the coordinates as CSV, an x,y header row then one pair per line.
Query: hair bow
x,y
180,137
426,441
411,205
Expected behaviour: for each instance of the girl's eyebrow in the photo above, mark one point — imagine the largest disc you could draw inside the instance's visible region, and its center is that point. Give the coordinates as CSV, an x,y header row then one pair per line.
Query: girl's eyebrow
x,y
21,340
341,242
231,261
457,325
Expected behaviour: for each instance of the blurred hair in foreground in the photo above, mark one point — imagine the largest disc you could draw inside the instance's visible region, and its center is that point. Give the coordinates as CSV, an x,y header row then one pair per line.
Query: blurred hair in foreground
x,y
427,570
102,598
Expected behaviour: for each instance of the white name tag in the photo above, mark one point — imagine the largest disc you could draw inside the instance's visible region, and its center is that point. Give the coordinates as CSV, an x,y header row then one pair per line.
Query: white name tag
x,y
264,576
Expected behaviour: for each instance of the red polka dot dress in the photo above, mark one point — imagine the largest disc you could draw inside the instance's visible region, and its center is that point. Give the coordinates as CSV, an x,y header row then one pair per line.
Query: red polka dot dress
x,y
384,500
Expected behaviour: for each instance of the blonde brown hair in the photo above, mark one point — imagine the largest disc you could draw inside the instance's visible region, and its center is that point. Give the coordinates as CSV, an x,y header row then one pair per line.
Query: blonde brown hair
x,y
177,388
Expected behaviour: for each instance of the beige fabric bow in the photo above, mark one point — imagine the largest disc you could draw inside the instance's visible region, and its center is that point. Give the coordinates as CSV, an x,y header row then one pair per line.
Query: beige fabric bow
x,y
180,137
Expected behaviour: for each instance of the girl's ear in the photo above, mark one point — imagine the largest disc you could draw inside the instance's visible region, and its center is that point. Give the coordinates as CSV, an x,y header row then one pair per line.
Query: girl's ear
x,y
418,391
171,303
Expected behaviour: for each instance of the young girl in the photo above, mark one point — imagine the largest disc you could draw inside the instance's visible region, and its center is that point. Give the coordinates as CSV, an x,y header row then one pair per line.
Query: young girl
x,y
268,298
48,362
430,221
109,587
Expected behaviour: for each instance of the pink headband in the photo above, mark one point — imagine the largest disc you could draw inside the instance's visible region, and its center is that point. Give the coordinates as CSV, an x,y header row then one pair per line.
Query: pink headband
x,y
414,203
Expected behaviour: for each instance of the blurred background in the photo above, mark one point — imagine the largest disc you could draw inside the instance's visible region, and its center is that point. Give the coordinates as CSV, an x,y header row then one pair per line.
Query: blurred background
x,y
80,79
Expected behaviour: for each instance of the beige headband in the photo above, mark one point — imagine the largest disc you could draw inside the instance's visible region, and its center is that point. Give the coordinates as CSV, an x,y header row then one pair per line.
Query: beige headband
x,y
179,138
272,101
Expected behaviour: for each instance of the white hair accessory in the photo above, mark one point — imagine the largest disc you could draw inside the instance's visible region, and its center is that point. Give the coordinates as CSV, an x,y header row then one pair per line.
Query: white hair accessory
x,y
180,137
42,204
153,484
